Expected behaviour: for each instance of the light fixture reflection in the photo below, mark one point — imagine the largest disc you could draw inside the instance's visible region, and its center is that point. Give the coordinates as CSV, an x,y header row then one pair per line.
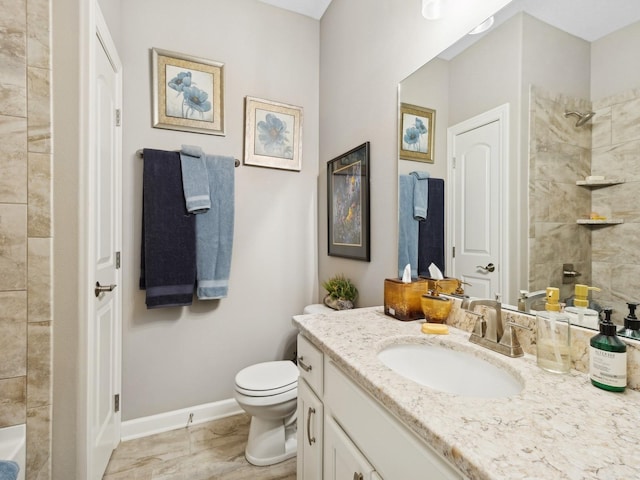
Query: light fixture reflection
x,y
483,27
432,9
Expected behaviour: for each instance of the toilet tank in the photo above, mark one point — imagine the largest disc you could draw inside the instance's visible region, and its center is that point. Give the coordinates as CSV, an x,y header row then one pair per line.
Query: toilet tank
x,y
317,308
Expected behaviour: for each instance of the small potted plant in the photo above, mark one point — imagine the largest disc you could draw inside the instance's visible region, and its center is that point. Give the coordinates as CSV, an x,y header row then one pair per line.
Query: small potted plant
x,y
341,293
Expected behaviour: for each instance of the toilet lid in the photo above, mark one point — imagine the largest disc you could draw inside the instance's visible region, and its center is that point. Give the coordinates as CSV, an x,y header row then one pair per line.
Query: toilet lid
x,y
267,378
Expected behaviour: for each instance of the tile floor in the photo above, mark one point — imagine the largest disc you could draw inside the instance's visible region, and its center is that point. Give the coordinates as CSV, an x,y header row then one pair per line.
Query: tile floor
x,y
213,450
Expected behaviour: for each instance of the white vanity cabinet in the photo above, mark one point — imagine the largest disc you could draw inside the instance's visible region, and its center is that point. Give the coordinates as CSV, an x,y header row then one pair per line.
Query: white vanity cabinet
x,y
342,459
393,450
310,411
361,440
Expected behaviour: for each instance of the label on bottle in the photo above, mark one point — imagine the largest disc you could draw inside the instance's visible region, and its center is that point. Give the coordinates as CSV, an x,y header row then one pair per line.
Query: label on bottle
x,y
608,368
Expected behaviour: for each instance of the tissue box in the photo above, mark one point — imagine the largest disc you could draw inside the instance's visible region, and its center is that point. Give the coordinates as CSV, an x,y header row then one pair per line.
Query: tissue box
x,y
402,300
445,285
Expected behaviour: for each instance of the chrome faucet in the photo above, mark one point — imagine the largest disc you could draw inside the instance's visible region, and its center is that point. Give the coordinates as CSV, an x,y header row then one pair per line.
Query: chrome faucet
x,y
489,332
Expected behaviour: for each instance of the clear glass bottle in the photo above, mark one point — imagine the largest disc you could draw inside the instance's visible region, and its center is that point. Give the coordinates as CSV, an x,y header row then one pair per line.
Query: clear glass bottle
x,y
553,339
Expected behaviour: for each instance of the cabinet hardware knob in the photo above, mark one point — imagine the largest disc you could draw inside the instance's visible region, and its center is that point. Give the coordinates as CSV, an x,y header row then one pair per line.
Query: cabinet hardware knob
x,y
357,476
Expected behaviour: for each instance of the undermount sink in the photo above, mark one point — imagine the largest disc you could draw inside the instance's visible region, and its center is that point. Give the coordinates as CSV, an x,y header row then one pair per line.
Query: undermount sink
x,y
450,371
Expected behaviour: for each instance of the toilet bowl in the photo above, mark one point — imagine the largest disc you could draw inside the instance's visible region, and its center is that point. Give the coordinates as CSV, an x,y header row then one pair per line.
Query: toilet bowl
x,y
268,392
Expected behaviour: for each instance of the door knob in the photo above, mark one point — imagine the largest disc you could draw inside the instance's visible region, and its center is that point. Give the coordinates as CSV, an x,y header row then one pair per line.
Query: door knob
x,y
103,288
489,268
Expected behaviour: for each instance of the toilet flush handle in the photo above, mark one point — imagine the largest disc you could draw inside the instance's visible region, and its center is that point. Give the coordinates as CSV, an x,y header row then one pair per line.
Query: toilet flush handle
x,y
304,366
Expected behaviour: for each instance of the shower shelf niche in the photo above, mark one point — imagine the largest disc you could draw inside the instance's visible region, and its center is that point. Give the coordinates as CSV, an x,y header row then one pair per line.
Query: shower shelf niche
x,y
588,221
599,183
606,182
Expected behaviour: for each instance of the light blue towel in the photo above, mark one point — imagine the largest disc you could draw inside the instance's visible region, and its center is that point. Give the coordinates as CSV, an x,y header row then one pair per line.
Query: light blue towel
x,y
214,230
195,180
407,226
8,470
420,195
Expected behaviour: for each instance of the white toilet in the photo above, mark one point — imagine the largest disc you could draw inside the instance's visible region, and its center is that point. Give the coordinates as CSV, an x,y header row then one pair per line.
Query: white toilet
x,y
268,392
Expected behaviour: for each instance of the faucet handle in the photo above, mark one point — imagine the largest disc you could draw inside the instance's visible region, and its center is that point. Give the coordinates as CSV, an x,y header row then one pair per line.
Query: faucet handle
x,y
480,327
510,339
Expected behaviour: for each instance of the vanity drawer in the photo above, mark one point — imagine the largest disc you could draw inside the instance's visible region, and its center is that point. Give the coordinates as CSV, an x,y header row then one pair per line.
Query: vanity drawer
x,y
310,364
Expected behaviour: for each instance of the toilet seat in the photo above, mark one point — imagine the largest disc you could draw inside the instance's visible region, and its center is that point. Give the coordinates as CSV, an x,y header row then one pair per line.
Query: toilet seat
x,y
267,379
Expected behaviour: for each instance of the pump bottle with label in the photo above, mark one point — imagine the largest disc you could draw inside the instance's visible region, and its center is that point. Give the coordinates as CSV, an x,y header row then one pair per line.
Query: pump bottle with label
x,y
608,357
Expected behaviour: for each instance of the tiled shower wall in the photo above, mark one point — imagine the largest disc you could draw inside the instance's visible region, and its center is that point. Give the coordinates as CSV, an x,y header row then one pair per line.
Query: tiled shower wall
x,y
26,226
559,155
616,154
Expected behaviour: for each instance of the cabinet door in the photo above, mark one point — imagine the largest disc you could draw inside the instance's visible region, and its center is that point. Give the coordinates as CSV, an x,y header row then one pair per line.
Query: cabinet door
x,y
310,415
342,459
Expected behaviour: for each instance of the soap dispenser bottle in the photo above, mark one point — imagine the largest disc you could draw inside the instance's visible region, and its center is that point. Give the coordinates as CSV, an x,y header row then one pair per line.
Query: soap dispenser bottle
x,y
581,299
553,339
581,305
608,357
631,323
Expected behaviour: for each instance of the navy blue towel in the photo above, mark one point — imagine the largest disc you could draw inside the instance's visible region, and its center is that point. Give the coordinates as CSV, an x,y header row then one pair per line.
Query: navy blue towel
x,y
168,256
431,231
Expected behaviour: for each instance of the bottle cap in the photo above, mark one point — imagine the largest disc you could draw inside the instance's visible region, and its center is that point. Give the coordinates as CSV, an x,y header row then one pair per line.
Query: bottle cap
x,y
582,295
606,326
631,321
553,295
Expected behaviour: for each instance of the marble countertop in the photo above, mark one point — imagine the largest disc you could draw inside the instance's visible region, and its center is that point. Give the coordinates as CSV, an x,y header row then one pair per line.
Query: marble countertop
x,y
558,427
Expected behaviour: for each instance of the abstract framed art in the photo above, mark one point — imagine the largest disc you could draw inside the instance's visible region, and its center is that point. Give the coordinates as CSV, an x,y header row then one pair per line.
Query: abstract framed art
x,y
188,93
272,134
417,130
348,204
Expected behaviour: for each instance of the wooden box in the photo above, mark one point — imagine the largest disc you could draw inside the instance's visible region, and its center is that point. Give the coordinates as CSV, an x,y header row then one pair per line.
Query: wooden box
x,y
403,300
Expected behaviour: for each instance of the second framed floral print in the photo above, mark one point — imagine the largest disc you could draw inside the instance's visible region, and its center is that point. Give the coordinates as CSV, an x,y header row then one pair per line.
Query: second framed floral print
x,y
273,134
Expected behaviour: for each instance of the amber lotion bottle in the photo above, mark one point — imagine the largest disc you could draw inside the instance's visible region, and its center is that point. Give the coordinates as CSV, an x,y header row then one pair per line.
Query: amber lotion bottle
x,y
608,357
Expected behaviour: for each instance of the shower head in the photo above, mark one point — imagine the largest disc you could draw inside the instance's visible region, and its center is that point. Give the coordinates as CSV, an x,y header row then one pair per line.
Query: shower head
x,y
582,117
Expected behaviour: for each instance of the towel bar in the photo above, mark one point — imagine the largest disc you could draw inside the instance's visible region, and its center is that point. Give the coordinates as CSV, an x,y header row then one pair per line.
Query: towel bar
x,y
141,154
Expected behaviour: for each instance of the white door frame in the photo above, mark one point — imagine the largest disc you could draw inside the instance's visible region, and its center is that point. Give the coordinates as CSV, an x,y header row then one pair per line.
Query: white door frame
x,y
97,31
501,115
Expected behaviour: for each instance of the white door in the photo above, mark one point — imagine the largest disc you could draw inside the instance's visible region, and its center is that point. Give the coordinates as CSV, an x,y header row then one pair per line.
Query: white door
x,y
478,216
104,330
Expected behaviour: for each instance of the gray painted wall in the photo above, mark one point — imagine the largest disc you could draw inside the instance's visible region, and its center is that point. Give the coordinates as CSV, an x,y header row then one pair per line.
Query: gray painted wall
x,y
366,51
179,357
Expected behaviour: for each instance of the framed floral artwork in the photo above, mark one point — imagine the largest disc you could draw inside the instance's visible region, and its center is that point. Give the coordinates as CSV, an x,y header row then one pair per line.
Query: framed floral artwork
x,y
272,134
188,93
417,130
348,204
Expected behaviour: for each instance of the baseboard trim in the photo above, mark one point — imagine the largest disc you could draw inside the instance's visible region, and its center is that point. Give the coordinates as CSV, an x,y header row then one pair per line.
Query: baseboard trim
x,y
164,422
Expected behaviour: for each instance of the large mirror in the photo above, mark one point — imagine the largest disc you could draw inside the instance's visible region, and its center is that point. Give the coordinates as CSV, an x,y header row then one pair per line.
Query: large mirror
x,y
563,77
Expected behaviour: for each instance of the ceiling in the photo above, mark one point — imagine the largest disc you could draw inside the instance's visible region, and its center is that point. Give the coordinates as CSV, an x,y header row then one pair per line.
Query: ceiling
x,y
310,8
587,19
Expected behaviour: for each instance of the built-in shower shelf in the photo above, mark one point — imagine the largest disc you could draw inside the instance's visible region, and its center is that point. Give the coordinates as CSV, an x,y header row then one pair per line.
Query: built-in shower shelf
x,y
588,221
599,183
